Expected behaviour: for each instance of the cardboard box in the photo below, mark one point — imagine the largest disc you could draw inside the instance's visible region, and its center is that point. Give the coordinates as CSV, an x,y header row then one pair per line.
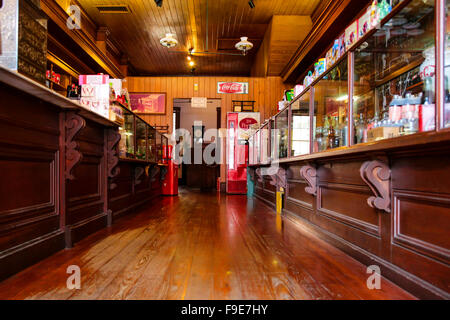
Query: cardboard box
x,y
116,85
382,133
364,23
427,121
93,79
351,34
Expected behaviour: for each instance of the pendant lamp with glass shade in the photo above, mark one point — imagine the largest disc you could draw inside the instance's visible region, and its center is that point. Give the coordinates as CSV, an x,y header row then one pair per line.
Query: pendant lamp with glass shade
x,y
168,41
244,45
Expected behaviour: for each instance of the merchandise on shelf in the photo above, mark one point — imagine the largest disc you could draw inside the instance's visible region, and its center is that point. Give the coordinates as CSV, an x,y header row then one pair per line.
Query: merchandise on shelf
x,y
288,95
351,34
364,23
298,89
116,85
93,79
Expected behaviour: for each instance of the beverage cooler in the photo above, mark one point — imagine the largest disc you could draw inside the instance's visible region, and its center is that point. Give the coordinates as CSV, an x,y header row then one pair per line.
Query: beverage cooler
x,y
170,182
238,125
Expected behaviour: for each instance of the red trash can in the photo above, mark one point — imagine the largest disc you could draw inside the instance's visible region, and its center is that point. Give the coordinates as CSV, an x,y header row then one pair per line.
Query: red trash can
x,y
170,181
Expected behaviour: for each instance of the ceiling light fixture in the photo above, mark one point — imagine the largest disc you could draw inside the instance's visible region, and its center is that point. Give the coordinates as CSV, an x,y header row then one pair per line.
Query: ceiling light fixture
x,y
158,3
244,45
251,4
191,63
168,41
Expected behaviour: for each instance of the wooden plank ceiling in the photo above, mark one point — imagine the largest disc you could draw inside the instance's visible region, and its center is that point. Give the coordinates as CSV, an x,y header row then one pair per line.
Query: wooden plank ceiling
x,y
138,32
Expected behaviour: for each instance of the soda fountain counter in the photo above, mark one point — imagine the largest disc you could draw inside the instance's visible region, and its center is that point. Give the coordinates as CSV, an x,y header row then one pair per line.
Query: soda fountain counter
x,y
64,171
363,153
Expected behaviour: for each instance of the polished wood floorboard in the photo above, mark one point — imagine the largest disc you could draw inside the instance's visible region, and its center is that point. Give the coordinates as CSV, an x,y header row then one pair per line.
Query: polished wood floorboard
x,y
201,246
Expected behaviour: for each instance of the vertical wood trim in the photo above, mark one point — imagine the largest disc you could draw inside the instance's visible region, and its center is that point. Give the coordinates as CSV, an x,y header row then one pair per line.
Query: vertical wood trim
x,y
440,63
350,72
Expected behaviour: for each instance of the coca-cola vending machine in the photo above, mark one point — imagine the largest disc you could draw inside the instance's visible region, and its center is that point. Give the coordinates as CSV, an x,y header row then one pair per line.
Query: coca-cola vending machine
x,y
238,125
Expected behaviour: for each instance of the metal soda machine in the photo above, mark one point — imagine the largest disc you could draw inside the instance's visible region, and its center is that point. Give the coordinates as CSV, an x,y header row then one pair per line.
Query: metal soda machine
x,y
170,181
238,125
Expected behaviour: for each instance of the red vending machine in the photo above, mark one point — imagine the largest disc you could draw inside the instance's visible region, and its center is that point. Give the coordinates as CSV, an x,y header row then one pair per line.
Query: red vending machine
x,y
170,181
238,125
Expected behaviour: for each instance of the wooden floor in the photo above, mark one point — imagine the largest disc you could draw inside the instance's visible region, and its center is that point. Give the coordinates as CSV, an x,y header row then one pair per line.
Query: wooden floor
x,y
201,246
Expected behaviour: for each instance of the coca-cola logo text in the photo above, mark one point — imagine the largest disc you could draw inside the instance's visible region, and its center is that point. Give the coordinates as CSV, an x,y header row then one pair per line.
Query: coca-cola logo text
x,y
231,87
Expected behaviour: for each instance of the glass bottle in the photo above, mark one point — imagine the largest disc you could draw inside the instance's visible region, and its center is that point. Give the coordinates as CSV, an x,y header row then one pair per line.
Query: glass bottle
x,y
360,130
331,138
343,133
319,140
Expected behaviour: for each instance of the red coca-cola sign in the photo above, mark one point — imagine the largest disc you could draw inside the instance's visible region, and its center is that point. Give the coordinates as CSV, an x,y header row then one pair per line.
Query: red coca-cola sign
x,y
246,123
232,87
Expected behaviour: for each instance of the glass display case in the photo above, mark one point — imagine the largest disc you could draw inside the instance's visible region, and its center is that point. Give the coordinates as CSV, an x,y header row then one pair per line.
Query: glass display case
x,y
264,135
330,109
447,67
391,89
126,143
152,154
281,128
394,76
141,140
300,125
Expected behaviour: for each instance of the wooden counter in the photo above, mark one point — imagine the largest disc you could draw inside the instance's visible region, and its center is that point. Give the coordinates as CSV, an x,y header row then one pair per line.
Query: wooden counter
x,y
385,203
61,178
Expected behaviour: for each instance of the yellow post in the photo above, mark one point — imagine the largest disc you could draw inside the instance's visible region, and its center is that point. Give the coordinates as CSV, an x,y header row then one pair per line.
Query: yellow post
x,y
280,200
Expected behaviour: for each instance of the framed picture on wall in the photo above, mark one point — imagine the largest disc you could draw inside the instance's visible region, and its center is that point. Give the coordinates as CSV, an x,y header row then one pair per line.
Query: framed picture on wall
x,y
148,103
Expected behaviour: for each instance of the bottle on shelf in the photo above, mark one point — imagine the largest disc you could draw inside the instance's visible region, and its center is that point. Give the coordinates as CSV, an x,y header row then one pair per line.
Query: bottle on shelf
x,y
343,133
360,130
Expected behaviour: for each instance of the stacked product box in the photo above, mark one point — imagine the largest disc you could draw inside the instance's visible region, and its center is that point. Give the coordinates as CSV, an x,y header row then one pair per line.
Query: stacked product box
x,y
95,93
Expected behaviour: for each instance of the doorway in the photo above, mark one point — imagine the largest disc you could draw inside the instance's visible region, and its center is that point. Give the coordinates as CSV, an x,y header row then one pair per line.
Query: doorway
x,y
195,122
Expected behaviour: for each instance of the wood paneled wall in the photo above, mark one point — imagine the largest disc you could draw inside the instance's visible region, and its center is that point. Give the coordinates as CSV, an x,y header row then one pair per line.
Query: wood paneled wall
x,y
265,91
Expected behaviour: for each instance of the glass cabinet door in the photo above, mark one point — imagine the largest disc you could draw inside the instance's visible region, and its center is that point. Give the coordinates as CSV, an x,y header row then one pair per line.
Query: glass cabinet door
x,y
273,146
281,124
258,147
158,146
447,66
300,125
126,143
152,155
265,134
141,139
394,77
330,109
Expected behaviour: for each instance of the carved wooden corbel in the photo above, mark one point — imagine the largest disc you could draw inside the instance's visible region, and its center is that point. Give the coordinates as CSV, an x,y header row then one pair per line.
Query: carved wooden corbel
x,y
73,125
113,139
279,179
377,174
309,173
138,172
259,175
